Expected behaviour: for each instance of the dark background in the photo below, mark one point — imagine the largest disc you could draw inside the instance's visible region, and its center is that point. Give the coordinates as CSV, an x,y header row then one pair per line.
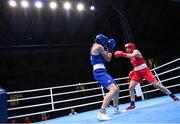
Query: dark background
x,y
49,48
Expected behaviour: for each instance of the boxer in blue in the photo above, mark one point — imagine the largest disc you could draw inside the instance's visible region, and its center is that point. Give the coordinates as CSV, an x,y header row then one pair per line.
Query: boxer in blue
x,y
101,52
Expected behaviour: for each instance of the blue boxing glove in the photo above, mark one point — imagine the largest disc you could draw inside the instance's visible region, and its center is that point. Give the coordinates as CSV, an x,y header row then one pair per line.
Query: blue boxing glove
x,y
102,39
111,44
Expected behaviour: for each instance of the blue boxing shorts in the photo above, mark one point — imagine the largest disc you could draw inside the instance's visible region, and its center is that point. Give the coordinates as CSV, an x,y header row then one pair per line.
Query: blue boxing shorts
x,y
102,77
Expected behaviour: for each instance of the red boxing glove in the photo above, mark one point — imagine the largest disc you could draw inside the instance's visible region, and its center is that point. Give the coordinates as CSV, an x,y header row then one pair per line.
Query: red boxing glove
x,y
131,73
120,54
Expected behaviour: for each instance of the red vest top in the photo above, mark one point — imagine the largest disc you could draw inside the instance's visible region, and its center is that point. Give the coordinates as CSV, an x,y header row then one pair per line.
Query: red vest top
x,y
137,61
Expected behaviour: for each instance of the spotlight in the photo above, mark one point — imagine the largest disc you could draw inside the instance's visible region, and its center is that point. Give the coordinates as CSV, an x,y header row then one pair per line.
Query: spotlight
x,y
53,5
67,5
38,4
92,8
80,7
12,3
24,4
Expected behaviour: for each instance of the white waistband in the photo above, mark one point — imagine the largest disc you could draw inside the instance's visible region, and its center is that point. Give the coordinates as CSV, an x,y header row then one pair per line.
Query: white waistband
x,y
98,66
142,66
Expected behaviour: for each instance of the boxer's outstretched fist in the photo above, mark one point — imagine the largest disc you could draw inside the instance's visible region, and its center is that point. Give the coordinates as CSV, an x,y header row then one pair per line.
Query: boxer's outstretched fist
x,y
120,54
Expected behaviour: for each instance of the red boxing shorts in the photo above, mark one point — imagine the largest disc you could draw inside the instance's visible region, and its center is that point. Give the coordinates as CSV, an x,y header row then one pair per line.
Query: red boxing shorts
x,y
143,74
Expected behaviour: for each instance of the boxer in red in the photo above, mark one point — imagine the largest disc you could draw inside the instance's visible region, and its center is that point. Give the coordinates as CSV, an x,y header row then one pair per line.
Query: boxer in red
x,y
140,72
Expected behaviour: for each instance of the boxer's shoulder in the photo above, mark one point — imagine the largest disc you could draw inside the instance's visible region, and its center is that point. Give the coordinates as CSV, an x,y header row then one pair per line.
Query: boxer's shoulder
x,y
136,50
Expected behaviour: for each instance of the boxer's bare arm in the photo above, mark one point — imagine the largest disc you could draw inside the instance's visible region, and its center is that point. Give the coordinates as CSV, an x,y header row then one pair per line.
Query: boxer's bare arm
x,y
105,54
135,53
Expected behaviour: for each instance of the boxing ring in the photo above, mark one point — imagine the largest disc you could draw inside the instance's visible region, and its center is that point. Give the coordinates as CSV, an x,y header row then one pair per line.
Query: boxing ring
x,y
160,109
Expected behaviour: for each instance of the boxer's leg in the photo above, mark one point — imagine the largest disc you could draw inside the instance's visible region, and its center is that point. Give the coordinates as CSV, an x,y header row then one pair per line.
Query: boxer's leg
x,y
156,84
116,97
102,113
116,101
132,95
107,82
131,89
112,91
149,76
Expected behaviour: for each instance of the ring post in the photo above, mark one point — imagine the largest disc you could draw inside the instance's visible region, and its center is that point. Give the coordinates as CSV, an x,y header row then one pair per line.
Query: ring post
x,y
3,106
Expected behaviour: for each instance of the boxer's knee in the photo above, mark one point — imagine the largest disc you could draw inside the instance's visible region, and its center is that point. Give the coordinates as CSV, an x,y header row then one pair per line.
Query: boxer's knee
x,y
156,84
112,87
131,88
115,89
132,85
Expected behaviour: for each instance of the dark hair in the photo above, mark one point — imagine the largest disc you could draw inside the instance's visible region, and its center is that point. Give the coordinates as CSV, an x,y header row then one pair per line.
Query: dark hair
x,y
96,41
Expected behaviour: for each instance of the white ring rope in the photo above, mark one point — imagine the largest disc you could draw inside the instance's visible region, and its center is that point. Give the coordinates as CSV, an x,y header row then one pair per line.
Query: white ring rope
x,y
124,96
55,102
29,106
123,84
123,90
121,78
73,85
36,113
146,85
158,89
86,97
27,91
57,94
166,64
168,71
36,97
170,78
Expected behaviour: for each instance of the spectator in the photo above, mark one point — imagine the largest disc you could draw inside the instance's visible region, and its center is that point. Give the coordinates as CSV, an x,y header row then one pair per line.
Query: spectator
x,y
44,116
73,112
13,121
27,120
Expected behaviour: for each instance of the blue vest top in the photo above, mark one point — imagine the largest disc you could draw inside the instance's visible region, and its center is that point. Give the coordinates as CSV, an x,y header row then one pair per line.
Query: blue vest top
x,y
97,59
